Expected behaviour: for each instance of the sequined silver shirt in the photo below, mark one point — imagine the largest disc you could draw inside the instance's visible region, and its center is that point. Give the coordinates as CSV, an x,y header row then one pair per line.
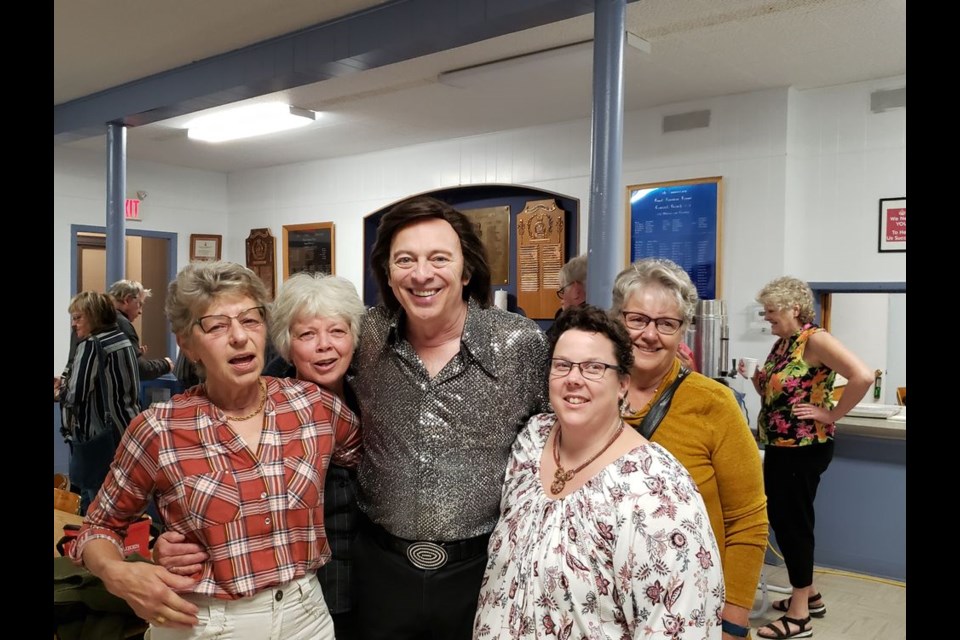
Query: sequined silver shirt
x,y
435,450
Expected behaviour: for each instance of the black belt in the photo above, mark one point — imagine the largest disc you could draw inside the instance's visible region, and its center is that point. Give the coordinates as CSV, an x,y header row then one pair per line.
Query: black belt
x,y
429,555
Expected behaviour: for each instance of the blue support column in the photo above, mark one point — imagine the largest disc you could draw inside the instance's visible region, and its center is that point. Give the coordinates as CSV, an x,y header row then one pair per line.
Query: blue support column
x,y
116,199
605,231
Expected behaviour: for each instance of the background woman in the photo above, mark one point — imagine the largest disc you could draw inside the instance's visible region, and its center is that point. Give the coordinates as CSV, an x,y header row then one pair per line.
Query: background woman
x,y
704,426
237,464
796,424
101,391
601,533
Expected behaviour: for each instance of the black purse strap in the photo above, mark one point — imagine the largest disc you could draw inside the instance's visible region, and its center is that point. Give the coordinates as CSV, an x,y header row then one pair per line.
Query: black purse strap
x,y
653,418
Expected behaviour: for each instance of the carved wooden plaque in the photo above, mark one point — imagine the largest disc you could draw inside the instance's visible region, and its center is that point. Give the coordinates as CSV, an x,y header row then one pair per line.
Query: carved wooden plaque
x,y
541,252
261,256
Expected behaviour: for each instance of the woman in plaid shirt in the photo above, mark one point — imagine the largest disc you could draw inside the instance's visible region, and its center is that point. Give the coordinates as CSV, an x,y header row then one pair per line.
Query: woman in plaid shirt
x,y
237,465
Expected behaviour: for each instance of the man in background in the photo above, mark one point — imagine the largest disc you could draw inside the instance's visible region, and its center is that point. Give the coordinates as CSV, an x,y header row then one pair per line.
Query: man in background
x,y
128,297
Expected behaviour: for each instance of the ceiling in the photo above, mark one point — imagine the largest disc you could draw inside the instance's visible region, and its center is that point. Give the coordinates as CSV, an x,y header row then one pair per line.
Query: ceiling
x,y
698,49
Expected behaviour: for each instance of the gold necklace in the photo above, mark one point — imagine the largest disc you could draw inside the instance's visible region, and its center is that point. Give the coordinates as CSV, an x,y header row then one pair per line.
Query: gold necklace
x,y
561,477
263,401
628,409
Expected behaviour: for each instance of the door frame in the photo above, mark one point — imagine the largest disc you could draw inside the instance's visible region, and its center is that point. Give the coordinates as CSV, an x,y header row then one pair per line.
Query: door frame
x,y
76,229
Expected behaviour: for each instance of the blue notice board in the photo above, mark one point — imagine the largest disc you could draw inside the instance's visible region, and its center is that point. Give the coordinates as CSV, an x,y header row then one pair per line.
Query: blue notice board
x,y
679,220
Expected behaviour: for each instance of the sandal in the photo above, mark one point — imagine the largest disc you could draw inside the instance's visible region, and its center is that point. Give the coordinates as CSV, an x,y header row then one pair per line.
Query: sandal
x,y
817,611
802,630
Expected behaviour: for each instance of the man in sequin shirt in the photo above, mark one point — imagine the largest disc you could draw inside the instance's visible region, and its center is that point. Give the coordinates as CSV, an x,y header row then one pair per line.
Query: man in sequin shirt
x,y
444,381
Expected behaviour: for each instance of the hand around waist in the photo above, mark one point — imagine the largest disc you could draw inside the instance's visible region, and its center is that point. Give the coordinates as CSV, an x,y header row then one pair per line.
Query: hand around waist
x,y
150,590
172,552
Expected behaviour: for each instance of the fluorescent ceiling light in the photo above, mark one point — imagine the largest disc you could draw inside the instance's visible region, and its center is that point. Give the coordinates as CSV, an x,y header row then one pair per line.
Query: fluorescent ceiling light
x,y
249,121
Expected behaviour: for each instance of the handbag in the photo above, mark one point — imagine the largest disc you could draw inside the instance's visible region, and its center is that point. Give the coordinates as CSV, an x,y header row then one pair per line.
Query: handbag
x,y
653,418
90,459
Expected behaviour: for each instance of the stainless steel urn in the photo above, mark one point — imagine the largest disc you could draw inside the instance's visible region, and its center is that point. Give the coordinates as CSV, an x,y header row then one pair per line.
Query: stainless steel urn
x,y
712,338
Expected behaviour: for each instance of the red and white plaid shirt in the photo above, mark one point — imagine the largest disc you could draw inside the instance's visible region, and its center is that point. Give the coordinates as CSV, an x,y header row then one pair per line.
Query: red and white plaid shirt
x,y
260,517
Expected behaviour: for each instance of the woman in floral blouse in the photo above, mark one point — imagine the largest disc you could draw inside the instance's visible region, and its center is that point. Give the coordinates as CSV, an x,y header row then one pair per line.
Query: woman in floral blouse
x,y
796,423
601,533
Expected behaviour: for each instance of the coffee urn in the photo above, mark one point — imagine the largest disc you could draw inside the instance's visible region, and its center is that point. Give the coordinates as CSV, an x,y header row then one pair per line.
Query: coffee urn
x,y
712,338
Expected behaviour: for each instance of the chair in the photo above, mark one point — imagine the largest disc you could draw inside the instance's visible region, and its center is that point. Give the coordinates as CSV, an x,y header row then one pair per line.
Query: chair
x,y
61,481
902,396
66,501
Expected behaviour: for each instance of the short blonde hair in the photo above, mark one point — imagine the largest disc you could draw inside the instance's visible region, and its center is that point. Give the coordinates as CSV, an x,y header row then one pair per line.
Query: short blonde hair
x,y
787,292
314,295
199,284
96,307
661,272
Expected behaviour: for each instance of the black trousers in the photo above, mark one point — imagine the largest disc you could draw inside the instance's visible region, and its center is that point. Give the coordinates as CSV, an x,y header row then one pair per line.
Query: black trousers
x,y
791,476
393,600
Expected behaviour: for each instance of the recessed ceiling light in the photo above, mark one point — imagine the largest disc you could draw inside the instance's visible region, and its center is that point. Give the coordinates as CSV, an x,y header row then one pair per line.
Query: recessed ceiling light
x,y
249,121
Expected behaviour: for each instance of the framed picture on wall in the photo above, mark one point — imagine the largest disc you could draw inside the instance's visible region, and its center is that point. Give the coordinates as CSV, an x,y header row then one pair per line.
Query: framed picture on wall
x,y
680,220
205,248
893,225
308,247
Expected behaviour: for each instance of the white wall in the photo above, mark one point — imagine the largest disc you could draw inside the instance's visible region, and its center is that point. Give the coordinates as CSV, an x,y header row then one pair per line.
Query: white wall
x,y
802,174
181,201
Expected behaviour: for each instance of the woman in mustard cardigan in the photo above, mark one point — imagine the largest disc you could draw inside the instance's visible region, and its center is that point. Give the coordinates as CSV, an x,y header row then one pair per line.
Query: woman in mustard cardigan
x,y
704,427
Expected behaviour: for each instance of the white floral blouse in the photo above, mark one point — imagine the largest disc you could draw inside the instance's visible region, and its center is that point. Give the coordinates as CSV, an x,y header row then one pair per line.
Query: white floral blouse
x,y
628,555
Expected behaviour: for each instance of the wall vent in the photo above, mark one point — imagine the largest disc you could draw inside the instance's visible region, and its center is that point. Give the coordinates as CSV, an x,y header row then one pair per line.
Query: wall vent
x,y
684,121
888,99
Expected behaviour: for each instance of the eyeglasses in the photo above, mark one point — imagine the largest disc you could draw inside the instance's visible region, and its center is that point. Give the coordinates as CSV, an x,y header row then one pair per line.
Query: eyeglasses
x,y
217,325
639,322
591,370
561,290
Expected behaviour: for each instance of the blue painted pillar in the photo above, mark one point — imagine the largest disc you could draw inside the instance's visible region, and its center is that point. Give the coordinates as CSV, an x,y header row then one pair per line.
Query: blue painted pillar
x,y
116,199
605,232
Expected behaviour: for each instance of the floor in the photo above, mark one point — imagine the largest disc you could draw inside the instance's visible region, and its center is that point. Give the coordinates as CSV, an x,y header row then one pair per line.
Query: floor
x,y
859,607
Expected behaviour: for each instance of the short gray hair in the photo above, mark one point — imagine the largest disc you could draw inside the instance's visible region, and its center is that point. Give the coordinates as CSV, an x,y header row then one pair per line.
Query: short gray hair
x,y
314,295
199,284
574,271
660,272
786,292
123,289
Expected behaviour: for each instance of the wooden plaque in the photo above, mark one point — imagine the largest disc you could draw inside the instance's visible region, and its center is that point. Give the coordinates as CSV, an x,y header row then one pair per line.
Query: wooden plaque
x,y
493,227
261,258
308,247
541,252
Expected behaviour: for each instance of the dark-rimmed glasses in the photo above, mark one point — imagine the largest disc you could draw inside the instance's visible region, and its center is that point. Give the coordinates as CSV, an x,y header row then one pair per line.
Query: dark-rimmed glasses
x,y
217,325
639,322
591,369
561,290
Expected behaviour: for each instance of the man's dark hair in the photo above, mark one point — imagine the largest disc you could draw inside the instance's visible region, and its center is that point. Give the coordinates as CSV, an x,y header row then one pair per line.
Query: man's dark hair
x,y
589,318
475,266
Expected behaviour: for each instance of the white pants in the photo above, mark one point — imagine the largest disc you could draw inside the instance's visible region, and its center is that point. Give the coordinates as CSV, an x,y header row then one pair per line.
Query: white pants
x,y
293,611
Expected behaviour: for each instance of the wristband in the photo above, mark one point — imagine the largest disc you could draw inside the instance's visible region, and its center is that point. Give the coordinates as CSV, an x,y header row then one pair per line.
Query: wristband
x,y
734,629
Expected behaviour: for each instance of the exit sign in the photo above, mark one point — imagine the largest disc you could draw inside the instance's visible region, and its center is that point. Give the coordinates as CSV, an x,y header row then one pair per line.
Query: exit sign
x,y
131,209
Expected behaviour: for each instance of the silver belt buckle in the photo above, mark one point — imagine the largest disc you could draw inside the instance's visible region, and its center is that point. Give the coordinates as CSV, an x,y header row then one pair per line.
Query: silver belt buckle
x,y
426,555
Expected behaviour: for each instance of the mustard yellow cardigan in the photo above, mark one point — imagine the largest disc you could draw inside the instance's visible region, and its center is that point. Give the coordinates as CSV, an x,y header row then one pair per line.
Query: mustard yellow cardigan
x,y
707,432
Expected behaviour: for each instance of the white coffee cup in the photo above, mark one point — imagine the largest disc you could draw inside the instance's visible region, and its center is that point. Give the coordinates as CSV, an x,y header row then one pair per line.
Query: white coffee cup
x,y
748,367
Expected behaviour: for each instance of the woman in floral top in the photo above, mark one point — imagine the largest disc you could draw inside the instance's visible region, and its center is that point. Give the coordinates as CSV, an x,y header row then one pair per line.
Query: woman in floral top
x,y
796,423
602,534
